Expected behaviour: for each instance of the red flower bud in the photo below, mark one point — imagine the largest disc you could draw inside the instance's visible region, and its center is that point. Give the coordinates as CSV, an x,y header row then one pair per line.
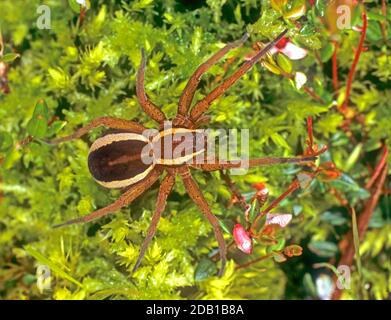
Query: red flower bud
x,y
242,239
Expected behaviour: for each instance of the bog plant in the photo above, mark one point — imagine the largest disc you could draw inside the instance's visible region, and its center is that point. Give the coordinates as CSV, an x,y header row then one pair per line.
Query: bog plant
x,y
333,91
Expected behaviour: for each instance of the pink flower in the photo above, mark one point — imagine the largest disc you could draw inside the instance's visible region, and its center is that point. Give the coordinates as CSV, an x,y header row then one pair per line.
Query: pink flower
x,y
242,239
281,219
291,50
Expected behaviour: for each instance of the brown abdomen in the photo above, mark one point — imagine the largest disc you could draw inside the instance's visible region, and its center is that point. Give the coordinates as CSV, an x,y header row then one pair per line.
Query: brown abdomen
x,y
118,163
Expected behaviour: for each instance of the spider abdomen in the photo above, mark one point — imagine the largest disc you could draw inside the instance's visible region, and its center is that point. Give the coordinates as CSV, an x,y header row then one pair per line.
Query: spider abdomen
x,y
115,160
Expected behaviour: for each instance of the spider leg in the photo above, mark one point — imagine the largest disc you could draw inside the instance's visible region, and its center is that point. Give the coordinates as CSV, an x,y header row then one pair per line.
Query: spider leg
x,y
203,105
113,123
165,189
188,93
251,163
199,199
150,108
124,200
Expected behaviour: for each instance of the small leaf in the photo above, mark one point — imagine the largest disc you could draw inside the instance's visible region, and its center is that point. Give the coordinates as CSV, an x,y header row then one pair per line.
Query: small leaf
x,y
309,285
293,250
9,57
271,67
205,269
327,51
278,5
276,247
324,249
305,179
279,257
225,227
307,30
295,13
55,127
77,4
320,5
356,241
333,218
353,157
38,124
6,141
52,265
284,63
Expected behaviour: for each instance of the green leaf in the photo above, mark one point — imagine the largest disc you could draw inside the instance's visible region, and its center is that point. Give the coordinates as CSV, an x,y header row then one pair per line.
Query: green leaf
x,y
53,266
76,5
9,57
278,257
353,157
225,226
284,63
38,124
333,218
277,247
327,52
6,141
324,249
320,5
309,285
205,269
55,127
356,241
307,30
374,32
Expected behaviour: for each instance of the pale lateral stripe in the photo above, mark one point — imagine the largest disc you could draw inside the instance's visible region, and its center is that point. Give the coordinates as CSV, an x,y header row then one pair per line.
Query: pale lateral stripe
x,y
174,131
115,137
180,160
126,182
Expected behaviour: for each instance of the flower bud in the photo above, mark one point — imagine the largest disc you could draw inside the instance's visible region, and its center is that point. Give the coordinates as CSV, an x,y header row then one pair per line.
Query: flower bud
x,y
242,239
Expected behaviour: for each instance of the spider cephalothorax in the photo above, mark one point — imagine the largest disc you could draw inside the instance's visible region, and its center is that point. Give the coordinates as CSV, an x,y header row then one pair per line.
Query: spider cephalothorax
x,y
134,158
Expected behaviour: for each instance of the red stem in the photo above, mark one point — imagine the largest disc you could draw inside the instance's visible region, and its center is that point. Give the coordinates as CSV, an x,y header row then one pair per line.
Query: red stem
x,y
378,169
292,187
352,70
384,23
346,245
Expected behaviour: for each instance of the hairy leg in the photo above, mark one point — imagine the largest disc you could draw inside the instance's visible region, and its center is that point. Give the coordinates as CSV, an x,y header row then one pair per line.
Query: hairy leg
x,y
251,163
165,189
188,93
150,108
113,123
124,200
203,105
199,199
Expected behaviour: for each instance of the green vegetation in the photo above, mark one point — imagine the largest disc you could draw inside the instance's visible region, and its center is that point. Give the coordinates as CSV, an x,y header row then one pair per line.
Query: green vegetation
x,y
85,65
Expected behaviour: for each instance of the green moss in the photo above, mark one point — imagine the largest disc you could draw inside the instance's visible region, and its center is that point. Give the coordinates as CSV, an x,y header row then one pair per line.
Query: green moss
x,y
85,71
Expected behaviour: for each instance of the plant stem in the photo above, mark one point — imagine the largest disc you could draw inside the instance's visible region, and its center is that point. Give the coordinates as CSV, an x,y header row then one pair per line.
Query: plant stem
x,y
292,187
383,24
245,265
346,245
352,70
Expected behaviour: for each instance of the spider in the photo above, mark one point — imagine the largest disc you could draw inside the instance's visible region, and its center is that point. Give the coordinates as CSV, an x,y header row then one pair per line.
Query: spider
x,y
114,159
